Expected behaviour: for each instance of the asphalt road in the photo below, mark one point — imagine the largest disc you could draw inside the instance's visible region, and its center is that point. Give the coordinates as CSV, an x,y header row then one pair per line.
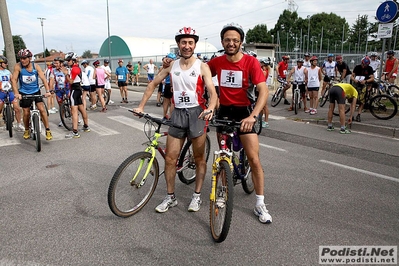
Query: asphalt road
x,y
323,188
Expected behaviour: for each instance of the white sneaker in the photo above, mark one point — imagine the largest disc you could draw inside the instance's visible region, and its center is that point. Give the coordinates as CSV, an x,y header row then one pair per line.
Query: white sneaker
x,y
54,109
166,203
195,204
111,102
51,111
60,124
263,214
19,127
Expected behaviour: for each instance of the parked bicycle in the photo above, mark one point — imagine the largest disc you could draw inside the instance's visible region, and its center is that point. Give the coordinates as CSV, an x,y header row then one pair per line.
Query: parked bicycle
x,y
35,125
384,87
230,167
381,106
8,112
297,100
135,180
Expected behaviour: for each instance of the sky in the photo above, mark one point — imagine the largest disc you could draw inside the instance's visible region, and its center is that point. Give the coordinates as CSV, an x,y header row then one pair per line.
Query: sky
x,y
80,25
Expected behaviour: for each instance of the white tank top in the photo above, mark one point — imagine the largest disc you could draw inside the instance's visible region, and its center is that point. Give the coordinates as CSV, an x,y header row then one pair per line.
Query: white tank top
x,y
313,77
186,84
151,68
299,76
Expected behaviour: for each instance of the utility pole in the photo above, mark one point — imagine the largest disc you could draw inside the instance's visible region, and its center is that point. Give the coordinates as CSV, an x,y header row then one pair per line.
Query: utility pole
x,y
109,40
44,46
8,42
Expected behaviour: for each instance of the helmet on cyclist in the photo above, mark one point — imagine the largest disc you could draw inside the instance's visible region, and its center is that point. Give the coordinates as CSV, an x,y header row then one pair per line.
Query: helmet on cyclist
x,y
252,53
84,62
106,61
338,57
286,57
391,52
23,53
65,64
171,56
205,58
71,56
186,32
3,59
307,54
373,54
300,60
313,58
233,26
366,61
330,55
59,59
265,61
96,63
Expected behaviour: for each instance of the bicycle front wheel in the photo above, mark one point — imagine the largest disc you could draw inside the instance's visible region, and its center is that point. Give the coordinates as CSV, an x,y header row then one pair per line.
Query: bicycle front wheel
x,y
9,119
36,132
247,183
324,97
277,96
383,107
133,184
186,163
296,102
66,116
221,208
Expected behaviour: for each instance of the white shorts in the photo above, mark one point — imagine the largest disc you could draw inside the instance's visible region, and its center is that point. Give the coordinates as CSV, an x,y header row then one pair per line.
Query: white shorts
x,y
107,84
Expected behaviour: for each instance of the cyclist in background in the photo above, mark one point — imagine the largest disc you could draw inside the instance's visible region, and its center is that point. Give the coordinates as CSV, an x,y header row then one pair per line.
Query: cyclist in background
x,y
188,77
59,82
27,74
265,65
122,76
391,66
361,76
136,73
375,63
236,97
329,70
313,85
282,71
5,84
300,75
343,69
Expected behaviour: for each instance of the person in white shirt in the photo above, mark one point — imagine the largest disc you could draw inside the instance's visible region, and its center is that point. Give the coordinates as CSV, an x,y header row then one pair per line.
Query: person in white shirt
x,y
107,79
375,63
150,68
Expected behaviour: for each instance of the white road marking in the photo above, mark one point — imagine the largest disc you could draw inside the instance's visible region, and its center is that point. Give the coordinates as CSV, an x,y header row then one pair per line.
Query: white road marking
x,y
390,178
101,130
7,141
277,117
131,122
271,147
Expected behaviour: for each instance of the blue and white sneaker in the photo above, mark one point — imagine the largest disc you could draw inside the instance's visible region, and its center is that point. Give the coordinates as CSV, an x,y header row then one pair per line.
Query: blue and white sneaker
x,y
263,214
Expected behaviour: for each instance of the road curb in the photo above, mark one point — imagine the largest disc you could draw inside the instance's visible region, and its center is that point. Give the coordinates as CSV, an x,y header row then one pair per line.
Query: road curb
x,y
380,130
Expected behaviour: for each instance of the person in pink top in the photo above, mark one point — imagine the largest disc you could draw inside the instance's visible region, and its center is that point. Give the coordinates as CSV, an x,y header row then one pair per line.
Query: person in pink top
x,y
99,76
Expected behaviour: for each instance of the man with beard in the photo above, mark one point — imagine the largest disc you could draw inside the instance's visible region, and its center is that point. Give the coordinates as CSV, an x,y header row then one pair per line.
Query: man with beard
x,y
188,77
237,74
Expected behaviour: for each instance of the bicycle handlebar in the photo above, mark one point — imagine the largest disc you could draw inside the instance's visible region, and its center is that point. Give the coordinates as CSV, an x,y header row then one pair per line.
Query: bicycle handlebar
x,y
158,121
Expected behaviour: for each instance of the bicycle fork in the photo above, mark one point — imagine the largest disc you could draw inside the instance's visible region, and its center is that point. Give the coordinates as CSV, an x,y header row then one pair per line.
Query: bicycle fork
x,y
147,171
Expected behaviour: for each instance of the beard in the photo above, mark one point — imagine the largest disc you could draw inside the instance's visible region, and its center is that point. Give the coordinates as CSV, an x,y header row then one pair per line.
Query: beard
x,y
231,50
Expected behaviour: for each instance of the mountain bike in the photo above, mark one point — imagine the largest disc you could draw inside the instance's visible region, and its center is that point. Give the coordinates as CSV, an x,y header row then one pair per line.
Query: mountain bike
x,y
230,167
35,120
65,111
135,180
384,87
381,106
324,98
8,112
279,93
297,99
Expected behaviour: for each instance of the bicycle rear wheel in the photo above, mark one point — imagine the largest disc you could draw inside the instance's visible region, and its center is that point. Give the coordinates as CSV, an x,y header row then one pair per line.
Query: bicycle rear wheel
x,y
221,208
9,119
277,96
133,184
36,132
66,116
186,164
247,183
383,107
324,97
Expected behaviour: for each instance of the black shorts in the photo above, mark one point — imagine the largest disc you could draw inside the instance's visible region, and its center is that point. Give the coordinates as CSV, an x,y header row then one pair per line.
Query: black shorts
x,y
302,88
167,91
236,113
313,88
337,94
26,103
76,95
86,88
160,88
100,86
93,88
327,78
122,84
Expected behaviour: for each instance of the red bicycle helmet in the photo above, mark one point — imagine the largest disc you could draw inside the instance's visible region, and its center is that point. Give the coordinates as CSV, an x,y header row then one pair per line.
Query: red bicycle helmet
x,y
366,61
186,32
24,53
96,63
313,58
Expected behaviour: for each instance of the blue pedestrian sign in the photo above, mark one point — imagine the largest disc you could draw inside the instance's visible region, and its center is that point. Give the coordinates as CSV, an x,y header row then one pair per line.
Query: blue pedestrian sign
x,y
387,12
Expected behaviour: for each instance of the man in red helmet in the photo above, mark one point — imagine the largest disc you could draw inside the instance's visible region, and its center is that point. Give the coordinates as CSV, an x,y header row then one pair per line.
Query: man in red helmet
x,y
282,71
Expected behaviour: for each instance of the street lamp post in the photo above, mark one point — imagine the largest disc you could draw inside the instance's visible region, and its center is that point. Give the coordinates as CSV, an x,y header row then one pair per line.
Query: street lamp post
x,y
273,38
109,38
44,47
307,48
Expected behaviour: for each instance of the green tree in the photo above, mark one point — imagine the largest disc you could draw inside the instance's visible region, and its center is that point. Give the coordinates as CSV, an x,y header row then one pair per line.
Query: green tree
x,y
18,45
46,53
87,54
258,34
358,34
